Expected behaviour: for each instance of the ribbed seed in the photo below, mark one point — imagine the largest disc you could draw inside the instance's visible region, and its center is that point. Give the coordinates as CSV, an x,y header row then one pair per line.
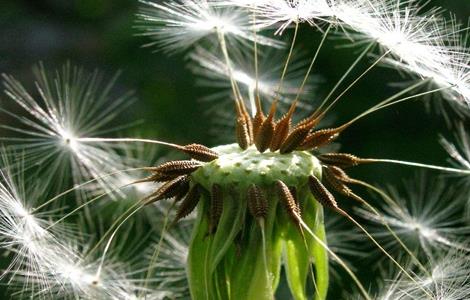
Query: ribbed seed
x,y
288,201
242,131
335,183
259,118
293,192
339,174
176,168
200,152
189,203
338,185
183,191
282,128
320,193
216,207
295,138
280,132
319,138
341,160
257,203
170,189
313,120
257,122
265,134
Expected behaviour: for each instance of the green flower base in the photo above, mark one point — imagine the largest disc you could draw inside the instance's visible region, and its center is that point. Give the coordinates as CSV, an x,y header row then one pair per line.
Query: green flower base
x,y
237,261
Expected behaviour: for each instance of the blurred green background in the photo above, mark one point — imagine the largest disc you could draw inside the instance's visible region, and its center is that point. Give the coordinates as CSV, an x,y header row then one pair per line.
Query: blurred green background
x,y
100,34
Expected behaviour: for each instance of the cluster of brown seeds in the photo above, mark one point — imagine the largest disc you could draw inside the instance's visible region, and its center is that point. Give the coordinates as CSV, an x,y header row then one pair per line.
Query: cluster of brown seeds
x,y
265,133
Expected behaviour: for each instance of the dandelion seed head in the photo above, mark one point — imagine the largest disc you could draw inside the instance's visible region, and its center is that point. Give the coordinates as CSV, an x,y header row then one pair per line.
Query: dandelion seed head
x,y
447,278
175,26
67,106
283,13
427,216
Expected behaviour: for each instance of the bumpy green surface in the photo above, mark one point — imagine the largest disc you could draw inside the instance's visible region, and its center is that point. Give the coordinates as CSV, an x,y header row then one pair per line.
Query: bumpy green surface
x,y
230,263
236,166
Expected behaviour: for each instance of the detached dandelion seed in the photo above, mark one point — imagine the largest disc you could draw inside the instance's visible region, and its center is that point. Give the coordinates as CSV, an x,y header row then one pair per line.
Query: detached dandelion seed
x,y
177,25
70,104
428,216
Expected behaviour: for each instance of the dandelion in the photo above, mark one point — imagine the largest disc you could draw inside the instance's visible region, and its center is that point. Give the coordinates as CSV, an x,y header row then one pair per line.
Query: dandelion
x,y
427,216
447,277
421,42
69,105
177,25
46,257
259,202
289,12
460,152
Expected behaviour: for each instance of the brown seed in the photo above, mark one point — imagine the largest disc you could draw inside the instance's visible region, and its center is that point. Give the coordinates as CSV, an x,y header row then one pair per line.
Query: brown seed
x,y
259,118
170,189
200,152
257,121
176,168
320,193
319,138
182,192
242,131
339,174
243,112
289,202
189,203
257,203
341,160
217,202
335,183
265,134
282,128
293,192
295,138
313,120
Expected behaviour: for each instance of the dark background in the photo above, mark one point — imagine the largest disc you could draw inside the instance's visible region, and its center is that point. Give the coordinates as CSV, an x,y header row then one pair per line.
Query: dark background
x,y
100,34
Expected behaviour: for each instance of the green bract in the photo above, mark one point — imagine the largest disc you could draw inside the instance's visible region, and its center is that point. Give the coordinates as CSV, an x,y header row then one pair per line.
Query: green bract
x,y
232,262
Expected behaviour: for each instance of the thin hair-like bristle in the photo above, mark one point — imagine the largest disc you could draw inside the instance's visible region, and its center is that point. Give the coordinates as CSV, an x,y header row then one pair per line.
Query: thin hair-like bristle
x,y
257,203
216,206
189,203
285,196
170,189
200,152
320,193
